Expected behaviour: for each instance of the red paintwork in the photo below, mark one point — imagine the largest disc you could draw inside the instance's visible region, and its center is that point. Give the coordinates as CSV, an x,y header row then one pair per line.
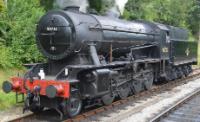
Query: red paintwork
x,y
63,88
16,85
59,88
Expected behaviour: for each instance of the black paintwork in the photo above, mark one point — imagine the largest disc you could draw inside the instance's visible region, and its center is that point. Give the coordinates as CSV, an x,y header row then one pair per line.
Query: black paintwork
x,y
61,33
108,57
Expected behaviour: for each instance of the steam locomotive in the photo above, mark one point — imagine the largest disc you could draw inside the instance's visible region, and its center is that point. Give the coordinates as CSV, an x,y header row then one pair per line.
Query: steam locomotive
x,y
94,59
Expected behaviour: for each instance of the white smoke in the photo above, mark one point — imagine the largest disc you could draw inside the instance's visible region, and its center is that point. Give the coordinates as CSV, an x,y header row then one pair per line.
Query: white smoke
x,y
117,9
121,4
113,12
83,4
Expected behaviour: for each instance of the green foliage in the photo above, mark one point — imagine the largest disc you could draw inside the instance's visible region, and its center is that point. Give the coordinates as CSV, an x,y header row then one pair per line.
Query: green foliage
x,y
101,6
7,100
182,13
169,12
134,9
47,4
17,28
3,24
97,5
18,19
2,6
193,19
4,27
5,54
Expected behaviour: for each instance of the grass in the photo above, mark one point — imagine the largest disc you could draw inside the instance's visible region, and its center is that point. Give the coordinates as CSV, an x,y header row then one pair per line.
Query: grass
x,y
7,100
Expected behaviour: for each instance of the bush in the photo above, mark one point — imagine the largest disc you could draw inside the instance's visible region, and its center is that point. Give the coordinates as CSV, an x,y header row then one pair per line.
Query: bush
x,y
17,35
1,5
5,59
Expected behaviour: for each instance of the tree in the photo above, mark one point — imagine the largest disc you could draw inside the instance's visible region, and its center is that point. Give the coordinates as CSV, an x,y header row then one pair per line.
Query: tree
x,y
3,24
47,4
2,6
18,24
165,11
101,6
134,9
97,5
193,19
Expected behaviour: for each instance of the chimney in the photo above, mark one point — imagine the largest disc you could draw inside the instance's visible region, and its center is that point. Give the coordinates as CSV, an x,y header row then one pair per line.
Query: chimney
x,y
72,8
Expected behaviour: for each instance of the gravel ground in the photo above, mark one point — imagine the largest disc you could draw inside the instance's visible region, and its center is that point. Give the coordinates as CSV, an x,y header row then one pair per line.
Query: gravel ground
x,y
145,108
166,99
11,113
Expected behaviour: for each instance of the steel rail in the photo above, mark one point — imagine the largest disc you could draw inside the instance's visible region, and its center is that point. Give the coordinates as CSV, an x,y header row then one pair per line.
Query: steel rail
x,y
175,106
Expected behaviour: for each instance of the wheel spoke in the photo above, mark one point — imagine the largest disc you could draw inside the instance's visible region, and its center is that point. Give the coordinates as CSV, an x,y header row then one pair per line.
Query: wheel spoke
x,y
74,105
124,91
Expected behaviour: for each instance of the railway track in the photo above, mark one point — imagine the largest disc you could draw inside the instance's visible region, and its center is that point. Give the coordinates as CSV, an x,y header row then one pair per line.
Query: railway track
x,y
155,90
185,110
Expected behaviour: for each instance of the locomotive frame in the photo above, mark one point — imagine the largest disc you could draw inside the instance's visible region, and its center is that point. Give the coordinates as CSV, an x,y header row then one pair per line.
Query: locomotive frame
x,y
94,59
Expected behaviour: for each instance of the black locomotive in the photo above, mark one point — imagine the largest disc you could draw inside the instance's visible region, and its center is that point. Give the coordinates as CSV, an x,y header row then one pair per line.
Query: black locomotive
x,y
94,59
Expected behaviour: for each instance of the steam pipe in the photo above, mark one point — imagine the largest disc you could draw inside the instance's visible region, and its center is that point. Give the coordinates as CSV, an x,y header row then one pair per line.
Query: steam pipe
x,y
94,56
